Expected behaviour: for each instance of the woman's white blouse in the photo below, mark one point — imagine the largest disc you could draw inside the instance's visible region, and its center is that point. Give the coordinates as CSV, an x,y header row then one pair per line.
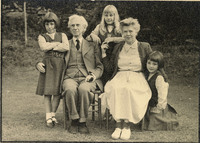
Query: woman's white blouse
x,y
129,59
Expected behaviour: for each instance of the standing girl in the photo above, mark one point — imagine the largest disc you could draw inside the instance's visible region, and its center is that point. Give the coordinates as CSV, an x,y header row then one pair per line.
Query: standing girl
x,y
160,116
54,45
107,33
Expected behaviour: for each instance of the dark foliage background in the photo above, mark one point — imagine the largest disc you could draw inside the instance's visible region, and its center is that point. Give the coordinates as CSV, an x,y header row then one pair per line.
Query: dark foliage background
x,y
171,27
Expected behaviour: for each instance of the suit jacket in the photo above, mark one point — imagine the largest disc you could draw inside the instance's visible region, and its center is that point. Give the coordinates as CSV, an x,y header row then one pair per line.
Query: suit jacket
x,y
110,62
91,58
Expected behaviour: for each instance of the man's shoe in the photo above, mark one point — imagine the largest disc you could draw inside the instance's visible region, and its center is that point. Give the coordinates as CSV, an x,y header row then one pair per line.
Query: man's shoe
x,y
82,128
73,128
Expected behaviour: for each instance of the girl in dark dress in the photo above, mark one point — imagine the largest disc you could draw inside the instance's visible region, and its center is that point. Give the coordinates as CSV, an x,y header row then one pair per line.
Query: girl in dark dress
x,y
54,45
160,116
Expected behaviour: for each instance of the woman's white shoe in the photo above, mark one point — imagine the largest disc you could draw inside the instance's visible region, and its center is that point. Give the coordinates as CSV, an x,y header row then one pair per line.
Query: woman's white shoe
x,y
116,134
126,134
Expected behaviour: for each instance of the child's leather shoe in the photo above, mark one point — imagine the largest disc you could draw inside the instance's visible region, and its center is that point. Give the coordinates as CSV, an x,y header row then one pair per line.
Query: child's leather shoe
x,y
54,120
49,123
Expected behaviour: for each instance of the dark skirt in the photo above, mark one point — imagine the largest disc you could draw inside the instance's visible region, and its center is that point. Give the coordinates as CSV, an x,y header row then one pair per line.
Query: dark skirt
x,y
165,120
49,83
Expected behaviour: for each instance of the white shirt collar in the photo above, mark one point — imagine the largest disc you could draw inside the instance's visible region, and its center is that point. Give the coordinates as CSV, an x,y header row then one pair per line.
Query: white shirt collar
x,y
52,35
133,46
80,39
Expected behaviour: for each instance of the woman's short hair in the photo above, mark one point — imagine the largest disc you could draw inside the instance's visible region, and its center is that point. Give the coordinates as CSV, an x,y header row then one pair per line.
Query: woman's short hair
x,y
81,18
130,21
51,17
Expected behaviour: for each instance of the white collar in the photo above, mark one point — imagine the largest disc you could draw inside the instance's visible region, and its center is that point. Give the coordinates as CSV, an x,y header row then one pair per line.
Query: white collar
x,y
52,35
80,40
134,45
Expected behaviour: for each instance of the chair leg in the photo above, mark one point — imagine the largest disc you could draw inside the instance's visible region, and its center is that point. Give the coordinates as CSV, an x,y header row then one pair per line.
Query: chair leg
x,y
96,102
65,114
93,109
107,117
142,124
99,111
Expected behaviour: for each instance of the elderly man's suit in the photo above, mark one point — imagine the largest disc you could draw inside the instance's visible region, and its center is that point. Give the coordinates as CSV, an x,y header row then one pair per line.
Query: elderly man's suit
x,y
79,64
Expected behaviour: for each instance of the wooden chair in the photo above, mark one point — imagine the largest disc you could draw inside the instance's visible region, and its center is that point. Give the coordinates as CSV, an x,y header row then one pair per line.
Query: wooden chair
x,y
96,102
107,118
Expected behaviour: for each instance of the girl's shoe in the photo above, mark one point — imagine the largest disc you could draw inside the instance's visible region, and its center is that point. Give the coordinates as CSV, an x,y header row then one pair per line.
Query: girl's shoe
x,y
116,134
54,120
126,134
49,123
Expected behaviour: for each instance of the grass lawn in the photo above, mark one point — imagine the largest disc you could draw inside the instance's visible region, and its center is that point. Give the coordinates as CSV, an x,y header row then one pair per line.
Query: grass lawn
x,y
23,114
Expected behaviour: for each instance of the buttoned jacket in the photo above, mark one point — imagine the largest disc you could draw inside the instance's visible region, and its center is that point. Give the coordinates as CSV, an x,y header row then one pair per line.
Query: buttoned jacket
x,y
91,57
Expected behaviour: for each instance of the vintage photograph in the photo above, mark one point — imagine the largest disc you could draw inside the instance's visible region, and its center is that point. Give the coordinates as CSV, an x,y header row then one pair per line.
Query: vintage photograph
x,y
100,71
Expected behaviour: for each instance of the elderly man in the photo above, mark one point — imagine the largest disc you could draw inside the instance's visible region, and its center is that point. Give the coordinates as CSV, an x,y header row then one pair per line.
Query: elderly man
x,y
82,74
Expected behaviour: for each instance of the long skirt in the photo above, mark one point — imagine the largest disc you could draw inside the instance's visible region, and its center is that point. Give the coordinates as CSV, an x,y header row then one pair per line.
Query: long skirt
x,y
127,96
49,83
165,120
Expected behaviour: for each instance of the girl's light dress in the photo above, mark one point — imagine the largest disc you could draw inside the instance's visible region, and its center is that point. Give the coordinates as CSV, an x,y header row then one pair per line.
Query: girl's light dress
x,y
128,93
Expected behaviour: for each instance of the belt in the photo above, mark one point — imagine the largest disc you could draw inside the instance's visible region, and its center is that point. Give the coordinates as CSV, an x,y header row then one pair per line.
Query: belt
x,y
76,66
55,54
129,70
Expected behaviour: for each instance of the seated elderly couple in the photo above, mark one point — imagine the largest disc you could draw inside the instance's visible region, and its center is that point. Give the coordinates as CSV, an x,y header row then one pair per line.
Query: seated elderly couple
x,y
126,92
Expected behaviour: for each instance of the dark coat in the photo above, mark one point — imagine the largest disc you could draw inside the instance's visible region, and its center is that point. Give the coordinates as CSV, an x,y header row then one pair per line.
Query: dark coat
x,y
110,62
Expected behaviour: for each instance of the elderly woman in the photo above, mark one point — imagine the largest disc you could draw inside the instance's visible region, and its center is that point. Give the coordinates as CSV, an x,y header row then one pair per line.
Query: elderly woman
x,y
127,93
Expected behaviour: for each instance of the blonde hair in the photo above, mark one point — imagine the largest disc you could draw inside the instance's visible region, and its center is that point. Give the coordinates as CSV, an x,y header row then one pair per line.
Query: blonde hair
x,y
130,21
80,18
49,17
110,9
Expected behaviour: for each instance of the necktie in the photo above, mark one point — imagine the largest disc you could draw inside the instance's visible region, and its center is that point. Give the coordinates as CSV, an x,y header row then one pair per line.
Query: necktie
x,y
77,44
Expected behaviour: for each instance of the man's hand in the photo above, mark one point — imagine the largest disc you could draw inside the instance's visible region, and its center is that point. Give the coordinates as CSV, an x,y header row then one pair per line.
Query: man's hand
x,y
90,78
40,67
